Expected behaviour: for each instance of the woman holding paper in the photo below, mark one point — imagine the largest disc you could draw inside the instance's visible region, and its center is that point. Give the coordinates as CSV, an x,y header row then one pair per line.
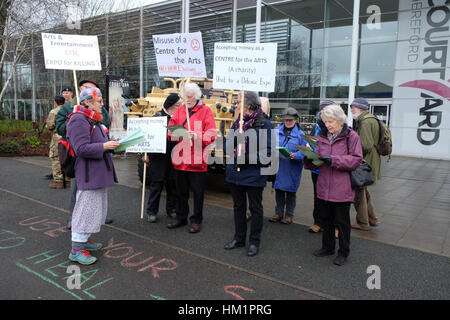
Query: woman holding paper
x,y
340,151
190,155
94,173
290,168
244,173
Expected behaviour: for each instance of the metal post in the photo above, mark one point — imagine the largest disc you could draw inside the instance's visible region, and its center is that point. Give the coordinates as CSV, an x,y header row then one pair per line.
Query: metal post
x,y
16,106
354,59
141,51
258,21
33,84
234,22
185,16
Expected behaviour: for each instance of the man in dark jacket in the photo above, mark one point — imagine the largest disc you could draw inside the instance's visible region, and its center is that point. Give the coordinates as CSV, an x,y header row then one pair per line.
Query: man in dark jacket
x,y
245,179
161,168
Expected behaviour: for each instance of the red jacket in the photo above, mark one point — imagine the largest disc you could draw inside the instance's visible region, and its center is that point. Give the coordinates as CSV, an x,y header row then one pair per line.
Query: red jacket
x,y
194,158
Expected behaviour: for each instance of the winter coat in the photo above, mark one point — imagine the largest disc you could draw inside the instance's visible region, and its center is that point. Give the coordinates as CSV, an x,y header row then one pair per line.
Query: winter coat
x,y
289,171
90,148
202,123
161,167
249,174
366,125
333,182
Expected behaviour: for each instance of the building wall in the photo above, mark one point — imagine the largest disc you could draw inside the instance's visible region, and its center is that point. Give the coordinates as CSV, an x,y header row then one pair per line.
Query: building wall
x,y
314,51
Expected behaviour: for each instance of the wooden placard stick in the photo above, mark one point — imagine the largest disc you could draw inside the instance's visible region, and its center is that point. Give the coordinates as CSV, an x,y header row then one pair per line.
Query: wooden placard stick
x,y
143,186
76,86
187,109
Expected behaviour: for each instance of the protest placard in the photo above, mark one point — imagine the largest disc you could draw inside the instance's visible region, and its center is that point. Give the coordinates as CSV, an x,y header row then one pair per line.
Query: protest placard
x,y
180,55
155,133
71,52
245,66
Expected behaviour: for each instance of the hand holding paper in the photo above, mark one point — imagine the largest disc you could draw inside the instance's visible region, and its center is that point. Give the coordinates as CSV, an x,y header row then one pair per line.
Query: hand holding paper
x,y
131,139
308,153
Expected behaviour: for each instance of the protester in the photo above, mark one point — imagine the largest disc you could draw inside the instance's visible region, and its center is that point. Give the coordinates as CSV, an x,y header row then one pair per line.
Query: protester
x,y
366,125
50,123
161,168
333,184
94,173
189,156
245,179
290,168
61,119
317,127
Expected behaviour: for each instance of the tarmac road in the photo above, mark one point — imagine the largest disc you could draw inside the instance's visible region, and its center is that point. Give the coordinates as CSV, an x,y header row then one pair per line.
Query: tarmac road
x,y
147,261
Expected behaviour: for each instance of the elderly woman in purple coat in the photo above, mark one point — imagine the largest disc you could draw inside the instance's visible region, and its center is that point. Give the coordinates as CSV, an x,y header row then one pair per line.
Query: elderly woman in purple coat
x,y
94,173
340,150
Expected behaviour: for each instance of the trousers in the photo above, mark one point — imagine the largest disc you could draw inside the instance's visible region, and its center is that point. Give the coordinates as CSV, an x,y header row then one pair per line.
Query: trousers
x,y
365,213
195,180
285,199
156,188
239,194
316,210
336,215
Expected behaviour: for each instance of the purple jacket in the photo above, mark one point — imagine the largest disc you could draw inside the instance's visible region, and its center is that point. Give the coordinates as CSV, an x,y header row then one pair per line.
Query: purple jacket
x,y
333,183
91,149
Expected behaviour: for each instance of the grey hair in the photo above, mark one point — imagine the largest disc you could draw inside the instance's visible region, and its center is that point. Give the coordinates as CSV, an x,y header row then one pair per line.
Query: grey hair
x,y
194,88
335,112
252,100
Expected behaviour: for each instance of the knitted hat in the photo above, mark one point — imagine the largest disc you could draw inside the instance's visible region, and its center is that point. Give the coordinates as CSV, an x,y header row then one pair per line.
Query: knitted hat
x,y
171,100
289,114
360,103
325,103
89,93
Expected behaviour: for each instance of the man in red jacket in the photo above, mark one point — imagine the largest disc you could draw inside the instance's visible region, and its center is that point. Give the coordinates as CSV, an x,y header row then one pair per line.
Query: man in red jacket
x,y
190,156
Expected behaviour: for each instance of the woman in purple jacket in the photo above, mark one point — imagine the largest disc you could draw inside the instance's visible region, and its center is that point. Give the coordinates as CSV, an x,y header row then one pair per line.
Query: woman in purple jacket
x,y
94,172
340,150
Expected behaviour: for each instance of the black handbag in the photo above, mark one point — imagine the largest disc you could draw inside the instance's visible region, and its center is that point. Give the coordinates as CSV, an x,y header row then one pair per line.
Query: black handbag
x,y
361,176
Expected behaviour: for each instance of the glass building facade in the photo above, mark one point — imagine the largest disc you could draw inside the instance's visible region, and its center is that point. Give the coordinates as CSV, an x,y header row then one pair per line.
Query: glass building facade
x,y
315,45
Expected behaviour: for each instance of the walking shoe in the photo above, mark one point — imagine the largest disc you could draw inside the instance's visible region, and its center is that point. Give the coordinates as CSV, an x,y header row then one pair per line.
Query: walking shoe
x,y
151,218
252,250
56,185
83,257
275,218
92,246
357,226
108,220
287,220
176,224
194,228
314,228
339,260
322,252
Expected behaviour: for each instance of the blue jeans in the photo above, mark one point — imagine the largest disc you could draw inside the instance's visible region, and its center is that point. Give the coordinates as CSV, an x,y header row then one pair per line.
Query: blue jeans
x,y
285,199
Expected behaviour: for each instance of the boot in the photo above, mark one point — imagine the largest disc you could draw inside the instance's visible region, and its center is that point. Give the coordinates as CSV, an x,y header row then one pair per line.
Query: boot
x,y
56,185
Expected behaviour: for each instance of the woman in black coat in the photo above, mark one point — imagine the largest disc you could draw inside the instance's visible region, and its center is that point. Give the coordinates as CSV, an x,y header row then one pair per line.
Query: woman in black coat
x,y
161,168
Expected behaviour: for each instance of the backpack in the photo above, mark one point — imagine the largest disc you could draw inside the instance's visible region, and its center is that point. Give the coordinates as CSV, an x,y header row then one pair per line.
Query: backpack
x,y
384,145
66,154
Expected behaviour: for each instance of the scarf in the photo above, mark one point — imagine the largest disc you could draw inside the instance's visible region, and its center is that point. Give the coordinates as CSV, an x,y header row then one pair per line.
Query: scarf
x,y
88,113
249,120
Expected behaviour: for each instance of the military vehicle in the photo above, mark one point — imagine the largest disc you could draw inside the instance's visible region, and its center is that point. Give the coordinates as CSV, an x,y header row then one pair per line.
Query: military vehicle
x,y
221,103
